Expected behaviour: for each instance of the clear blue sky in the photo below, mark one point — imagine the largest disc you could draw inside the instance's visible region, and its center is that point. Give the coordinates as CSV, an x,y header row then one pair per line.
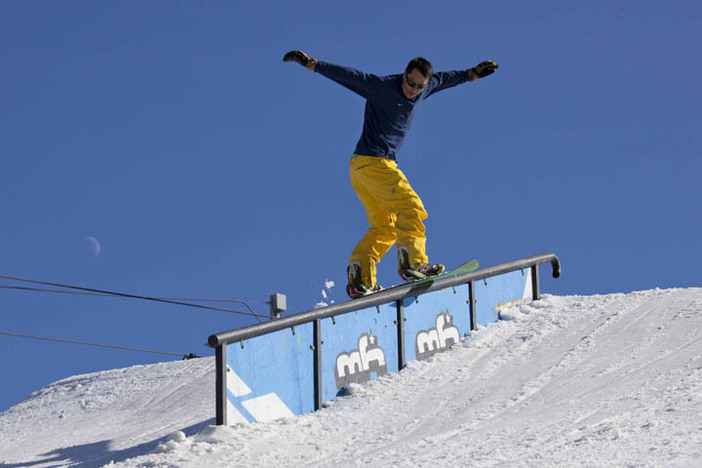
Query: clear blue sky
x,y
173,133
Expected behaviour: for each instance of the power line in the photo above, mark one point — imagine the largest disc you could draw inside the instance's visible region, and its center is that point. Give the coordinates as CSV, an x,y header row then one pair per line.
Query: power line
x,y
100,345
131,296
76,293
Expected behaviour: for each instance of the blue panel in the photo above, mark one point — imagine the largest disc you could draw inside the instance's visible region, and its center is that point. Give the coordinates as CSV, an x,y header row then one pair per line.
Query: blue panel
x,y
272,375
279,363
358,347
500,291
435,321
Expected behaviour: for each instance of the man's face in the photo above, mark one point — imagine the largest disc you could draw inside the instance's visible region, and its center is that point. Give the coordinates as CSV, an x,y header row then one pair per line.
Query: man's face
x,y
414,83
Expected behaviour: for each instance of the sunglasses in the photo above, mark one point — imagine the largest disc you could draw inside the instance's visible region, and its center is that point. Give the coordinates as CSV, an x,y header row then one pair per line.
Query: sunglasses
x,y
412,84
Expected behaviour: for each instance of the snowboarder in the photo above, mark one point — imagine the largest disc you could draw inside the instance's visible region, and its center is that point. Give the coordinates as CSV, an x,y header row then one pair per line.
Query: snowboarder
x,y
395,211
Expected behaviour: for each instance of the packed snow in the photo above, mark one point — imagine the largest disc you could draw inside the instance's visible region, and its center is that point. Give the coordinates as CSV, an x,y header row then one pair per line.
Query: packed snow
x,y
575,380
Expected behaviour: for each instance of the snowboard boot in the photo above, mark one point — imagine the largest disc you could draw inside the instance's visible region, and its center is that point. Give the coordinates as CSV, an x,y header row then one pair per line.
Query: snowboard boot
x,y
416,271
356,288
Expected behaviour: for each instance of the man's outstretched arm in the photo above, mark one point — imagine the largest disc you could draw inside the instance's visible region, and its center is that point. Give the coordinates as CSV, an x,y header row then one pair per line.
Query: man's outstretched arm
x,y
449,79
357,81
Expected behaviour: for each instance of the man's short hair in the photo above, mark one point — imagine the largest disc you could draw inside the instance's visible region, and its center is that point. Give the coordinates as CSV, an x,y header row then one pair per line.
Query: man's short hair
x,y
421,64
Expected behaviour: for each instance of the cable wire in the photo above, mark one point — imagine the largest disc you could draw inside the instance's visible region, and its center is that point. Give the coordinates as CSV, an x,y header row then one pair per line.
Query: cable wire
x,y
76,293
100,345
131,296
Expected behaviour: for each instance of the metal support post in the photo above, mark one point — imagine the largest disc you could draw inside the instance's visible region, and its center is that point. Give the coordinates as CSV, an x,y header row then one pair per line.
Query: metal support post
x,y
535,287
221,385
402,360
317,366
471,303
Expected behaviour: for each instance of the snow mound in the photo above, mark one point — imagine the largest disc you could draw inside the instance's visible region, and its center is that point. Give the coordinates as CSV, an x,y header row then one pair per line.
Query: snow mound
x,y
596,381
96,418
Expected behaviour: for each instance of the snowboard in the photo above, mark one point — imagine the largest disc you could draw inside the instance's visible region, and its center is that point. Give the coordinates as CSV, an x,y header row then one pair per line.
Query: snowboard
x,y
467,267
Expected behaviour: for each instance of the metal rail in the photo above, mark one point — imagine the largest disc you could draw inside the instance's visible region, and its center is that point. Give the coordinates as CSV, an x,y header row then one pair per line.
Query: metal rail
x,y
385,297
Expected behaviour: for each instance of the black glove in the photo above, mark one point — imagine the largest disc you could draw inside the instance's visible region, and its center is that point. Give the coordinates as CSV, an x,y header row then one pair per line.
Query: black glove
x,y
302,58
482,70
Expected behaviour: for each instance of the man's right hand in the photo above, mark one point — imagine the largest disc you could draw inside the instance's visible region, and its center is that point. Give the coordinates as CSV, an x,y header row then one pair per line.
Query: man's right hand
x,y
302,58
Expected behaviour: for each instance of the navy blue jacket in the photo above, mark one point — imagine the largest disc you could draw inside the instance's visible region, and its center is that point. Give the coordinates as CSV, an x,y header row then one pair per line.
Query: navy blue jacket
x,y
388,112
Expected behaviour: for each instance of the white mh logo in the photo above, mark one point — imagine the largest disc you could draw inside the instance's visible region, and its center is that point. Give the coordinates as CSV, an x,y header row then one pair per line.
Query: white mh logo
x,y
434,340
358,365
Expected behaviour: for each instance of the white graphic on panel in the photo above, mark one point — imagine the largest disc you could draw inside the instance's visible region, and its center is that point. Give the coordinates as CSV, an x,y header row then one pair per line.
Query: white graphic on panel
x,y
267,408
235,385
358,365
233,415
434,340
262,408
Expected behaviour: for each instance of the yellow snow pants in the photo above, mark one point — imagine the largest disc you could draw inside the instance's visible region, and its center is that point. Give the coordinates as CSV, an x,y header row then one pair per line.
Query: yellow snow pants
x,y
395,214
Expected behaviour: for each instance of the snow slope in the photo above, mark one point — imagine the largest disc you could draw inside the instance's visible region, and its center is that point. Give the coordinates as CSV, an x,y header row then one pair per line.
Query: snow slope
x,y
597,380
92,419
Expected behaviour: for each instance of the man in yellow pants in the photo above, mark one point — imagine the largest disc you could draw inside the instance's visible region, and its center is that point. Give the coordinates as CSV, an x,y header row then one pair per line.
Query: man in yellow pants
x,y
395,211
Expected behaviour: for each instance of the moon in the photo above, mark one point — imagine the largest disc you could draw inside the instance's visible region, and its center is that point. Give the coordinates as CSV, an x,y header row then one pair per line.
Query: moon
x,y
95,245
